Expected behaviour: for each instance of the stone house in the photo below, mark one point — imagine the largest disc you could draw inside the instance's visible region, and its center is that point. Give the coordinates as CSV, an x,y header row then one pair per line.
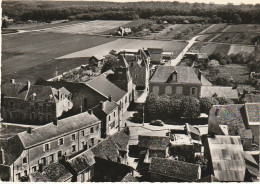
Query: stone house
x,y
169,170
96,61
34,103
175,80
156,55
33,150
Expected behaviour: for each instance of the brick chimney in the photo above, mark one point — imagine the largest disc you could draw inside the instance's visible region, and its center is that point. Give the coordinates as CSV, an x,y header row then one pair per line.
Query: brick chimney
x,y
90,111
12,81
55,122
29,130
110,98
102,105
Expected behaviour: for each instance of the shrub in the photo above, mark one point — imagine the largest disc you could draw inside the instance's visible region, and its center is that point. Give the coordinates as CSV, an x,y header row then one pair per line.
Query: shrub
x,y
224,101
206,104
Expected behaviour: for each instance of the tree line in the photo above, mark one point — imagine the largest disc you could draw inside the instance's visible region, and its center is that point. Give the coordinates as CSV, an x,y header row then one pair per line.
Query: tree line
x,y
170,11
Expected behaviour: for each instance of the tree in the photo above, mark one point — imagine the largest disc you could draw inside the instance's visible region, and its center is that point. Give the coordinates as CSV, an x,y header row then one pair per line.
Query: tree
x,y
5,24
224,101
190,107
110,61
237,19
206,104
223,81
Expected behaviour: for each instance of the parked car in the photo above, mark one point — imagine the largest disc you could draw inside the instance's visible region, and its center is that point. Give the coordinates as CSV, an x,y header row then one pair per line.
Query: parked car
x,y
157,122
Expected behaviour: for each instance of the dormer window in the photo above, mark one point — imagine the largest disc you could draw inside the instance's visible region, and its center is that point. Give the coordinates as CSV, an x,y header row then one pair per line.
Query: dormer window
x,y
173,77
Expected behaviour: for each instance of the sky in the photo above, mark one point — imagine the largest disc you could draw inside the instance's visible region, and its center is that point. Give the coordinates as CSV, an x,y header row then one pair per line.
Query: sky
x,y
236,2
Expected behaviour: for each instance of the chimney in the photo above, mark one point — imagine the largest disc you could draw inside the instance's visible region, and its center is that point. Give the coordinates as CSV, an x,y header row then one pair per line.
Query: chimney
x,y
59,94
29,130
199,75
110,98
90,111
102,105
12,81
55,122
28,84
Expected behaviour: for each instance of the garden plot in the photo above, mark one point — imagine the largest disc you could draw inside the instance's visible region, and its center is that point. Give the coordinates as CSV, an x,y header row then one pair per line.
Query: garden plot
x,y
91,27
215,28
168,46
243,28
235,49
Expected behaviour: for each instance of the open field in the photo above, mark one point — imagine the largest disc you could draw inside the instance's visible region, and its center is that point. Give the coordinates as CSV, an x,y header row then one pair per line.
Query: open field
x,y
243,28
168,46
239,73
90,27
234,49
20,52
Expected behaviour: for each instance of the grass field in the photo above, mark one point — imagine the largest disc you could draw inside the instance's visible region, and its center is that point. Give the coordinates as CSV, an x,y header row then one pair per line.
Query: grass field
x,y
27,52
234,49
89,27
168,46
216,28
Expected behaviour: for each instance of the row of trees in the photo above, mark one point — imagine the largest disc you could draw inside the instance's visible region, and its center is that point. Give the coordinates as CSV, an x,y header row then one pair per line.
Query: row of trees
x,y
175,107
196,12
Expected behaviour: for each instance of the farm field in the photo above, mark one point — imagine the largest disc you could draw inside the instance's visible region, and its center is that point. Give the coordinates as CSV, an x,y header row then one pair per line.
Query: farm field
x,y
243,28
90,27
20,52
215,28
239,73
235,49
169,46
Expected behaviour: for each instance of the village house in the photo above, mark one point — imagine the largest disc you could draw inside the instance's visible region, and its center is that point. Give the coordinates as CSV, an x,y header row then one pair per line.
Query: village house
x,y
225,158
156,55
123,31
179,80
237,118
96,61
169,170
33,104
32,150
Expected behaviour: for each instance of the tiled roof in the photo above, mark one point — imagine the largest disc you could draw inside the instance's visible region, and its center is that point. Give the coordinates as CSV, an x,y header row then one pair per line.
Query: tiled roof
x,y
221,91
153,142
82,161
251,165
252,98
231,115
109,107
155,50
129,178
192,129
209,178
109,148
50,131
205,82
14,90
54,172
41,92
176,169
227,158
185,74
253,112
102,85
64,91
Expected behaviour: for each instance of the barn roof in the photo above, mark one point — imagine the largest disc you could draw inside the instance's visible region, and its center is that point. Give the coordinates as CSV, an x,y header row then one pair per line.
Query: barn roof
x,y
227,158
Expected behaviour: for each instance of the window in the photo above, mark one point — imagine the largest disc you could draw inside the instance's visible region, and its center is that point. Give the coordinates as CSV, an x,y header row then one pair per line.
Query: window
x,y
92,141
82,177
59,154
168,90
92,129
73,148
108,118
136,76
126,99
179,90
43,161
34,168
174,77
193,91
61,141
12,104
82,133
51,158
18,176
114,114
25,172
83,145
25,160
73,137
46,147
155,90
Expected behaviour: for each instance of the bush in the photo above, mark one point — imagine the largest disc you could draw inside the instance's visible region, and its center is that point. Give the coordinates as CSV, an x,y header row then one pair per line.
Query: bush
x,y
110,62
222,81
206,104
224,101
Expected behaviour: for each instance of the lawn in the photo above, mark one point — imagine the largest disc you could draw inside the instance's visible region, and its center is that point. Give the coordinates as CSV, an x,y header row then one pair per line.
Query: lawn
x,y
24,54
123,43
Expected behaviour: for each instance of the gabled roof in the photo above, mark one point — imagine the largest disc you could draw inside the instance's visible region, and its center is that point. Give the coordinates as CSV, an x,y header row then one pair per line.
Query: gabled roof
x,y
192,129
185,74
122,62
253,112
155,50
232,115
41,92
252,98
54,172
153,142
64,91
175,169
50,131
129,178
227,158
82,161
220,91
251,165
106,88
109,149
14,90
205,82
